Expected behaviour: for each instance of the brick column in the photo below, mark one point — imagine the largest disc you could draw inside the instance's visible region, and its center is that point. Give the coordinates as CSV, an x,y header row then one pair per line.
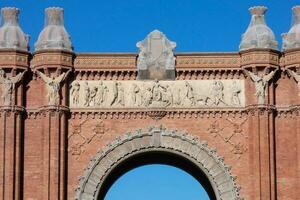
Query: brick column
x,y
288,167
261,63
13,66
54,66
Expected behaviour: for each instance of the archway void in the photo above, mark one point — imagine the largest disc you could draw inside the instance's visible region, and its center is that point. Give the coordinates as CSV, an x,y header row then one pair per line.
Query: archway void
x,y
156,173
156,181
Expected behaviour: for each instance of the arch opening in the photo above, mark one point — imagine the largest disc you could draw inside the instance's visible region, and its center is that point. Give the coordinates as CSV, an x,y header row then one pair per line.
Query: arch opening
x,y
157,157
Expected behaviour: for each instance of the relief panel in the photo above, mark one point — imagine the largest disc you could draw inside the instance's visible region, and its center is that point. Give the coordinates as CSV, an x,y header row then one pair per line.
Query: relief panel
x,y
157,94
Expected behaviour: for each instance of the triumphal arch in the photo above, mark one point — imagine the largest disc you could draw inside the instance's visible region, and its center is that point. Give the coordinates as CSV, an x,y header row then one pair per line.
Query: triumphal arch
x,y
72,123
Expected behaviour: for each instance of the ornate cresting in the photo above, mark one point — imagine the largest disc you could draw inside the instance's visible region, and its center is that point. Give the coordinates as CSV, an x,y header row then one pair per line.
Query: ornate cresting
x,y
158,139
156,59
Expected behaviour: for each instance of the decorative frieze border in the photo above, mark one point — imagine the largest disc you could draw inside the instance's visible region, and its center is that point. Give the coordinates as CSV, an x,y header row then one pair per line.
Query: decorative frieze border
x,y
291,111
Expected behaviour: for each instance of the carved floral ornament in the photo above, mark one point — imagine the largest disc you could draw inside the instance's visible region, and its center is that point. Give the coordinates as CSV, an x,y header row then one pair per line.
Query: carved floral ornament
x,y
234,136
79,140
158,139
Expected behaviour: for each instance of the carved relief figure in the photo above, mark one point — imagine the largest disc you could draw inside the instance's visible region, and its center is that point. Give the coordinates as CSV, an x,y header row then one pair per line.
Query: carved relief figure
x,y
53,87
168,96
189,93
217,93
296,77
75,89
260,85
235,91
177,96
102,93
157,91
8,86
87,94
115,93
136,95
93,93
121,100
147,96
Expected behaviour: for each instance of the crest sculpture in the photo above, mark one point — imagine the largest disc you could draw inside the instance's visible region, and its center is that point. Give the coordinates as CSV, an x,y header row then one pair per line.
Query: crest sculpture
x,y
156,59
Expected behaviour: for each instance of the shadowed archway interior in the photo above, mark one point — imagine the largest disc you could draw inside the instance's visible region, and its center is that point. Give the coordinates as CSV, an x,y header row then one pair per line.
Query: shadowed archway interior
x,y
156,157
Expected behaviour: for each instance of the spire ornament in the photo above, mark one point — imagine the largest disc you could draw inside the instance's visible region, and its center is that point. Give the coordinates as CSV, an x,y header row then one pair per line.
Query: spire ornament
x,y
54,34
258,34
11,34
291,40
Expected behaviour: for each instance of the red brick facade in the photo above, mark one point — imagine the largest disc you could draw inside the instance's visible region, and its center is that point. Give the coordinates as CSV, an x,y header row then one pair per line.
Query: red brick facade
x,y
40,159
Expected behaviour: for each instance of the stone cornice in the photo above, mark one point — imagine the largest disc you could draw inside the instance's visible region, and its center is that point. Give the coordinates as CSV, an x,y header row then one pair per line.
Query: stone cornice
x,y
158,113
171,113
55,58
260,56
43,110
19,110
291,58
14,59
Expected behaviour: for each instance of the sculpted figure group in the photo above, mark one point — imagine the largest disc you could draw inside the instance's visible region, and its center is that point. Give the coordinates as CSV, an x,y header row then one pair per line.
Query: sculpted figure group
x,y
53,86
8,86
296,77
151,94
260,84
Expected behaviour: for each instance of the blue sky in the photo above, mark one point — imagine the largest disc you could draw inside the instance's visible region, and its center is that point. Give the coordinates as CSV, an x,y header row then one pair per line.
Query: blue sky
x,y
157,182
116,26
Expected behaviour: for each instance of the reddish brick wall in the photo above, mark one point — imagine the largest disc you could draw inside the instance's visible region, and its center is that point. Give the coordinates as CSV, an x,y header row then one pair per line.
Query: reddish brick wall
x,y
53,145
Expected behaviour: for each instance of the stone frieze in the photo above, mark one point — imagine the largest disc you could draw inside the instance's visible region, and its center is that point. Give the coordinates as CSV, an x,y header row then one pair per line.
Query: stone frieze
x,y
157,94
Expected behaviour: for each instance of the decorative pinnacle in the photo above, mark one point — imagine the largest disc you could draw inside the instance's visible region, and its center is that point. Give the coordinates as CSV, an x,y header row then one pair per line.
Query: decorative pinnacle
x,y
10,15
296,10
54,16
258,10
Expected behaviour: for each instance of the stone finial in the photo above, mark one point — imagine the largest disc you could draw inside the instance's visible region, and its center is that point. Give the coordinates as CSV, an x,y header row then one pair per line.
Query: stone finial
x,y
54,34
11,35
258,34
156,59
291,39
258,10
